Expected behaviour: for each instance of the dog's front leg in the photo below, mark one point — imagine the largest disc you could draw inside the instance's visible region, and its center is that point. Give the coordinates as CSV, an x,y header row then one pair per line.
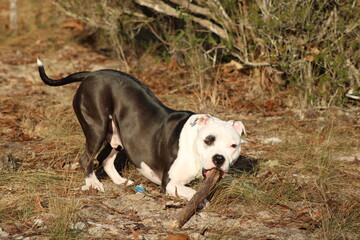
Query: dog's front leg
x,y
177,189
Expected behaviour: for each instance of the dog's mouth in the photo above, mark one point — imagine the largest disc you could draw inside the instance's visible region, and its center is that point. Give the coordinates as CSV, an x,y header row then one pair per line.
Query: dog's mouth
x,y
206,172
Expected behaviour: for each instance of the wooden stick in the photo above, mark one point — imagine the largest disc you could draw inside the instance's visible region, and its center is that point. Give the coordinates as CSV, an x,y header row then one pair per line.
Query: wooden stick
x,y
205,189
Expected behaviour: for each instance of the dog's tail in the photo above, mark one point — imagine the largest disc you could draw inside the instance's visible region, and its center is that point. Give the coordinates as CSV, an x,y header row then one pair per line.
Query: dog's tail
x,y
76,77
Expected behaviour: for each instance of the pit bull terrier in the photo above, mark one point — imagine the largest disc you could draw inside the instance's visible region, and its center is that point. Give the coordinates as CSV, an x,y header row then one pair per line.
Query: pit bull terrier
x,y
170,148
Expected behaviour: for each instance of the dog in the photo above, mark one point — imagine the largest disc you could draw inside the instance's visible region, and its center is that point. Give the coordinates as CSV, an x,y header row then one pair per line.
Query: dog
x,y
170,148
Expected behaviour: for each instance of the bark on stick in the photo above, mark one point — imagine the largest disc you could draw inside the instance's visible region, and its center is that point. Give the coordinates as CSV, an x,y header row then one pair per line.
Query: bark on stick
x,y
205,189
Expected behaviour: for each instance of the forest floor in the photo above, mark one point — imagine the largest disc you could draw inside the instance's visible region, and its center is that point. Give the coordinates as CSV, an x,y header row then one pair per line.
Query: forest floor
x,y
297,177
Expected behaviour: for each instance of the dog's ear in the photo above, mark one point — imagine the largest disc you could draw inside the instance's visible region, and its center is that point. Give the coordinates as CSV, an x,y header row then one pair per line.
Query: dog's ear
x,y
201,120
239,126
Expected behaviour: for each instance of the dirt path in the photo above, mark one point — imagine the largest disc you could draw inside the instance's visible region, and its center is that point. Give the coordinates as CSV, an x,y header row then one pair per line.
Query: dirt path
x,y
278,194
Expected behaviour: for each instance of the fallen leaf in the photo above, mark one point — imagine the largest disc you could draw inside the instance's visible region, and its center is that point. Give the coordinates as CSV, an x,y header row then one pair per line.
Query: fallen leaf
x,y
135,234
231,66
74,25
173,236
315,50
308,214
310,58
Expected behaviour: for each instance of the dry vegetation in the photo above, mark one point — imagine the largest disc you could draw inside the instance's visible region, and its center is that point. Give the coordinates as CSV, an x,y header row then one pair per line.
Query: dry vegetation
x,y
310,46
297,178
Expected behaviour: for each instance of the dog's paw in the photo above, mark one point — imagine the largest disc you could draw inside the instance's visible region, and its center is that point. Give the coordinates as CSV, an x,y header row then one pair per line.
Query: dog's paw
x,y
99,187
92,182
129,182
120,181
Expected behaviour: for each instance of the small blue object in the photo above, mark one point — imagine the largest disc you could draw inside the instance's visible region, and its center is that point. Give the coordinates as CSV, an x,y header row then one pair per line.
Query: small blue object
x,y
139,189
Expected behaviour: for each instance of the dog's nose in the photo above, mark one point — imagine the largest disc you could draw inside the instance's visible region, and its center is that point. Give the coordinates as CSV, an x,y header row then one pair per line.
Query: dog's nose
x,y
218,160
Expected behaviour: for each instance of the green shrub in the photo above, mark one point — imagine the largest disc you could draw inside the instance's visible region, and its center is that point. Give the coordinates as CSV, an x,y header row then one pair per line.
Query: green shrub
x,y
314,43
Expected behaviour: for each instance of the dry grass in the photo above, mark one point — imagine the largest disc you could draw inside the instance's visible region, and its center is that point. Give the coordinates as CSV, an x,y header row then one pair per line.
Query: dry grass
x,y
61,136
44,196
301,173
64,218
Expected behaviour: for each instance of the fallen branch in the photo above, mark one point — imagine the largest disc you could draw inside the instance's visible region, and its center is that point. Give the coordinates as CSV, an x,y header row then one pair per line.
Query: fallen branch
x,y
192,7
198,198
162,7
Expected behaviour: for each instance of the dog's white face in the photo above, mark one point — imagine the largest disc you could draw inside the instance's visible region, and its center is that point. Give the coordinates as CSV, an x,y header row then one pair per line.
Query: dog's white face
x,y
217,143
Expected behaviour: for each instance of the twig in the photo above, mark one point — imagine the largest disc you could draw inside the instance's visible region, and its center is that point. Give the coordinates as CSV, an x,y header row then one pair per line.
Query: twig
x,y
199,197
192,7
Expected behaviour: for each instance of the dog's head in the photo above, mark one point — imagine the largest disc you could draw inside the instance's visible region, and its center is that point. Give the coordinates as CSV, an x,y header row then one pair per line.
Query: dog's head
x,y
217,143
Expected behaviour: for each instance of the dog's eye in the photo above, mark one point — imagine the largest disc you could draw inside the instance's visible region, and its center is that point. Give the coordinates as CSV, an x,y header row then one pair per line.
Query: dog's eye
x,y
233,145
209,140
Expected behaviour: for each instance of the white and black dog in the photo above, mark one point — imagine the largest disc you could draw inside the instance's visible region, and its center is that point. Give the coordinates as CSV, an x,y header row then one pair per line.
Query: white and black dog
x,y
170,148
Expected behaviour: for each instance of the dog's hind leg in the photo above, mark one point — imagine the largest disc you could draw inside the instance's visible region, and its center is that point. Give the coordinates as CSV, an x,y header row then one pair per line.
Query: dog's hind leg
x,y
110,169
113,137
119,163
90,180
86,161
104,153
95,137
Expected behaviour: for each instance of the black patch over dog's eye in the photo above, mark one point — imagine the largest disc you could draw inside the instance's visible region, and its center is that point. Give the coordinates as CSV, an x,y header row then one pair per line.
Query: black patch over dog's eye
x,y
233,145
209,140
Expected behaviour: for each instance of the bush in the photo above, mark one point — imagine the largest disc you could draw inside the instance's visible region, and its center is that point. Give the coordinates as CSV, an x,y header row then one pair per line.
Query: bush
x,y
313,44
